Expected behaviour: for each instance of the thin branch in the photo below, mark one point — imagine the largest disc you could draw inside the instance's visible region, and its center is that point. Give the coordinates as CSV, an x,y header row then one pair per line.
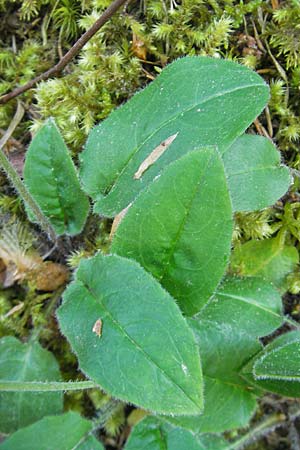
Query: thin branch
x,y
105,412
261,129
258,432
12,141
103,415
47,386
281,72
13,125
108,13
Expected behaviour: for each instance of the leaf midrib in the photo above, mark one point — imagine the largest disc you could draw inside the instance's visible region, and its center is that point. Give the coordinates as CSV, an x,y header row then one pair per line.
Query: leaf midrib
x,y
228,383
110,189
64,206
274,376
133,342
249,302
256,169
184,221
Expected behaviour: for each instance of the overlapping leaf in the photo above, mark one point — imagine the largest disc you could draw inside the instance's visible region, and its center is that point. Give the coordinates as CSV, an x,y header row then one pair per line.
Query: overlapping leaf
x,y
229,403
202,101
180,228
51,179
130,336
268,259
63,432
250,304
152,434
276,368
26,362
256,178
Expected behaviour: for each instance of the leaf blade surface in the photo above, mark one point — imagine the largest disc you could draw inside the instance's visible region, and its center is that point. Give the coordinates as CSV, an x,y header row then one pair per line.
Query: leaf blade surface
x,y
276,368
153,434
26,362
51,179
146,353
256,178
180,227
206,101
63,432
250,304
267,259
224,350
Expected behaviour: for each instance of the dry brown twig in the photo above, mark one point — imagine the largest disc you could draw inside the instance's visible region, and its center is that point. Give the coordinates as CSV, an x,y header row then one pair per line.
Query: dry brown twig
x,y
108,13
13,124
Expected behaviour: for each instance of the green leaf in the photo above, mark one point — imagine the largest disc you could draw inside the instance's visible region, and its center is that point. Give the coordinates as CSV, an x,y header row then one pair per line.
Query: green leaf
x,y
250,304
268,259
277,367
63,432
144,351
180,228
90,443
51,179
152,434
214,442
229,403
26,362
256,178
200,100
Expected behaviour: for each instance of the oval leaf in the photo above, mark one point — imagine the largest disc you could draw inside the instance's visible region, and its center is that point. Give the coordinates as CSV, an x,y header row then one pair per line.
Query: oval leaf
x,y
267,259
63,432
51,179
250,304
229,402
200,100
277,367
145,353
26,362
256,179
180,228
152,434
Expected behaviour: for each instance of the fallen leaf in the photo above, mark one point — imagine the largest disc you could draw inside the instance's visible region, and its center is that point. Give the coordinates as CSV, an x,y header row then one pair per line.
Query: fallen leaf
x,y
97,328
154,155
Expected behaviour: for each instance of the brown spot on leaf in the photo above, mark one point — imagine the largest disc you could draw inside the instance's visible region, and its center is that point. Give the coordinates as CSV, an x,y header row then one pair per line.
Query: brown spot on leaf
x,y
97,328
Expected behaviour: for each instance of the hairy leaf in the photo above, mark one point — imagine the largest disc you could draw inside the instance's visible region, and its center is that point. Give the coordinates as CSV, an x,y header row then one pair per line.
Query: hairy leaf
x,y
203,101
250,304
153,434
146,354
267,259
229,402
180,228
90,443
51,179
26,362
256,178
276,368
63,432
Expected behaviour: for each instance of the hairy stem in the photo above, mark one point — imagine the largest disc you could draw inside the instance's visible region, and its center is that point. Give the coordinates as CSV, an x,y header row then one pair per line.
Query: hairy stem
x,y
105,413
261,430
47,386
